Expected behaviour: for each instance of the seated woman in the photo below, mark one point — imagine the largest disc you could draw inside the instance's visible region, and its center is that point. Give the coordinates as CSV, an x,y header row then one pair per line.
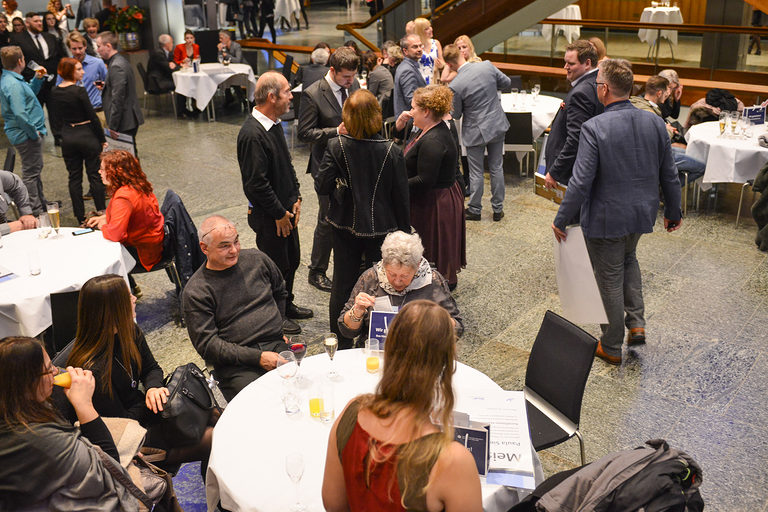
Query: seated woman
x,y
186,52
109,343
47,464
133,216
403,275
384,452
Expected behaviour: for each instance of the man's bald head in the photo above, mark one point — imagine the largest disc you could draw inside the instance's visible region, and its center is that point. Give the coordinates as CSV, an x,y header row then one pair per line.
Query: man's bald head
x,y
220,242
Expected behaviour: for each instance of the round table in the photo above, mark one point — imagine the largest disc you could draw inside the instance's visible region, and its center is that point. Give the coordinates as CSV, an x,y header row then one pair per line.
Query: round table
x,y
571,32
728,160
66,263
543,110
246,470
202,85
668,15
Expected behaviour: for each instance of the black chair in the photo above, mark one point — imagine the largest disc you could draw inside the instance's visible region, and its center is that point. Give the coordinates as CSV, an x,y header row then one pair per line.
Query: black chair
x,y
516,83
288,67
150,90
560,361
63,319
519,137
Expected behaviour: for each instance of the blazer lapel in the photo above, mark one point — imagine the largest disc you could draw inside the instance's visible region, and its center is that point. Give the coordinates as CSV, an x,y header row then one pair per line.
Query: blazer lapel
x,y
329,96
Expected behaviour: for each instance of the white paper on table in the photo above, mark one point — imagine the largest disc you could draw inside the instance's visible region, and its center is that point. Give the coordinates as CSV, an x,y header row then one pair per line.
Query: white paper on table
x,y
576,282
509,447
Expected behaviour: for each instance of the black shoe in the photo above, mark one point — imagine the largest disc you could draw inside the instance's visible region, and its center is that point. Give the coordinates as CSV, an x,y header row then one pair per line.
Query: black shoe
x,y
497,216
320,281
291,327
294,311
88,196
472,216
452,286
57,141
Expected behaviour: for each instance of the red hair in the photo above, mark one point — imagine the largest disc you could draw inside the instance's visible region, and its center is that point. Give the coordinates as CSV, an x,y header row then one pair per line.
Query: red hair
x,y
121,168
66,68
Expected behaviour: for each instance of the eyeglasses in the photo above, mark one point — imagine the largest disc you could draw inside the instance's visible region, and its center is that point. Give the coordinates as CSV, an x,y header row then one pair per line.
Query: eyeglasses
x,y
51,370
600,83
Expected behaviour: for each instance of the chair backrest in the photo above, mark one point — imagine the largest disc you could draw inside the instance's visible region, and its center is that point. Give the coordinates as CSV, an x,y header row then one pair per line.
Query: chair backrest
x,y
143,75
516,82
560,361
64,318
287,67
10,159
520,128
387,105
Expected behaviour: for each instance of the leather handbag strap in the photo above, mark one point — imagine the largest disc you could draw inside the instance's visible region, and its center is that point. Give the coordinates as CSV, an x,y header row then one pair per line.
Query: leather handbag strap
x,y
124,479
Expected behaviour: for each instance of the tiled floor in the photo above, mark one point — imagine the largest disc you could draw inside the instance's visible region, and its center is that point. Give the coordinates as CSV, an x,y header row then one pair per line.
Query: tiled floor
x,y
701,382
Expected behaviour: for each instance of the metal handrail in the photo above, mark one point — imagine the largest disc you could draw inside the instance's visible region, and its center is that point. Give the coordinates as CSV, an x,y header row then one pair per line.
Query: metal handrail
x,y
727,29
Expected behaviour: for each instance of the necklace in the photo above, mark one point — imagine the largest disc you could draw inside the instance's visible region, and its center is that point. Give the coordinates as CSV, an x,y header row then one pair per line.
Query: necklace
x,y
129,373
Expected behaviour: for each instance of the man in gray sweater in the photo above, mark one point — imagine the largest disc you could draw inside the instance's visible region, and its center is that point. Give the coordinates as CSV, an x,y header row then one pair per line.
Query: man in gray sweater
x,y
234,307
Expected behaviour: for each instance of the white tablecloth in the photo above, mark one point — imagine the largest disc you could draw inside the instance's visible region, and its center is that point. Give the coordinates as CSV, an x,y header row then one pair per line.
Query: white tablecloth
x,y
659,15
285,8
728,160
571,32
202,85
543,110
66,263
246,470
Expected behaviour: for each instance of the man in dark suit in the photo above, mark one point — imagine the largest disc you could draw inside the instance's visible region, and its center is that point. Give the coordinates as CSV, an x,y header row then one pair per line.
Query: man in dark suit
x,y
580,104
121,106
408,75
44,49
319,120
623,158
161,66
314,71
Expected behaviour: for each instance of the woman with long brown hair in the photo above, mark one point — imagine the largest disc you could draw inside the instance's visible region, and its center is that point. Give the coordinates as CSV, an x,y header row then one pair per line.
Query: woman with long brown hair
x,y
109,343
133,216
46,464
384,451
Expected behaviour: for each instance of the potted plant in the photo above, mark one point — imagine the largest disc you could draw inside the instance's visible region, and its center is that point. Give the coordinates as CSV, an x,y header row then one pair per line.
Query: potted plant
x,y
126,22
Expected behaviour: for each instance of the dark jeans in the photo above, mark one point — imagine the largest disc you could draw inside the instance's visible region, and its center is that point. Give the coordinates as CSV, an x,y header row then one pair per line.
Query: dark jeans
x,y
617,272
232,379
31,155
268,19
284,251
349,252
79,147
322,242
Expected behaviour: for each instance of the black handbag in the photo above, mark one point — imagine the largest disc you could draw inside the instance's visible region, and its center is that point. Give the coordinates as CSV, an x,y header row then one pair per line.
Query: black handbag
x,y
190,405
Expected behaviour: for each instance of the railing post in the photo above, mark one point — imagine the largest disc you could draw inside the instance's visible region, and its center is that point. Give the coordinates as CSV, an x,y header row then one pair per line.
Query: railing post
x,y
658,45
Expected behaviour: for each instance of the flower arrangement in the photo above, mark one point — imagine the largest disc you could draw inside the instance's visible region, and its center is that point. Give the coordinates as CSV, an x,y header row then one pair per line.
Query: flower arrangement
x,y
125,19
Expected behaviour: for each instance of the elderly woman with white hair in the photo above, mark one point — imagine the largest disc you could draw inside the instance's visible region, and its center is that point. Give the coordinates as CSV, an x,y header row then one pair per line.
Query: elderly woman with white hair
x,y
403,275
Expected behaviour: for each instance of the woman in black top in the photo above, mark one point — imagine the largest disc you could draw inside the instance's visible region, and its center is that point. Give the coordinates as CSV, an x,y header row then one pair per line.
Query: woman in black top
x,y
82,138
437,199
364,177
109,343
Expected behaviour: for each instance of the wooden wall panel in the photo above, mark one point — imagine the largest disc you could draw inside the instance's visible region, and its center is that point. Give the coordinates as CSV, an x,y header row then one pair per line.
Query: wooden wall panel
x,y
630,10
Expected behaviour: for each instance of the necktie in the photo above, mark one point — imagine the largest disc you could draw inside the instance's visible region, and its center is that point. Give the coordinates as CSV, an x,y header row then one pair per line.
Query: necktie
x,y
343,96
39,46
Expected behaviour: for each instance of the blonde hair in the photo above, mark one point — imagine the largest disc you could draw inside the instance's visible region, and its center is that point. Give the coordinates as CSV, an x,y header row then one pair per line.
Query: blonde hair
x,y
420,26
472,55
438,99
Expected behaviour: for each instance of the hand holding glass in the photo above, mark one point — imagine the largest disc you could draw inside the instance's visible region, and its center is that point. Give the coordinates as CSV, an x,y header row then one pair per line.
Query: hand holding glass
x,y
286,364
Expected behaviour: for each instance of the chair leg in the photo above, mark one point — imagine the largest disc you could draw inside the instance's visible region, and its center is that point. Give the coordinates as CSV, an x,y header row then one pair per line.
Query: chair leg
x,y
685,195
741,199
176,278
581,448
173,103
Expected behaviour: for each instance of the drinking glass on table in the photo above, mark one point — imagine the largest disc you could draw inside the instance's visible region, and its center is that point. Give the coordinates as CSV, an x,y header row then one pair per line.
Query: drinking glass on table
x,y
53,215
514,92
321,401
44,223
535,92
372,361
294,467
734,121
331,343
723,120
742,126
299,349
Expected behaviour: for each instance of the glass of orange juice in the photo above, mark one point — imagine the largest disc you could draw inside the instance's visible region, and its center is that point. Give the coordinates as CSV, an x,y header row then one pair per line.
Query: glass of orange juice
x,y
63,379
321,404
372,361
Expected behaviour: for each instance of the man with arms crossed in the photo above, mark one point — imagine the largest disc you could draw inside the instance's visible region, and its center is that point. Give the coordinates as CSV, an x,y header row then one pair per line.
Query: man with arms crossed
x,y
615,183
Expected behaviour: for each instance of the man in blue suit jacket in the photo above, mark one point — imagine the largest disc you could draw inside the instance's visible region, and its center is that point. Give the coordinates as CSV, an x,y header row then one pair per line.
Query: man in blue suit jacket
x,y
624,155
580,104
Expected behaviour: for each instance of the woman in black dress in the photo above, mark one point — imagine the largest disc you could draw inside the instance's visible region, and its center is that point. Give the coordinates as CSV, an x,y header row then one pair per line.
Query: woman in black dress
x,y
364,177
82,138
437,200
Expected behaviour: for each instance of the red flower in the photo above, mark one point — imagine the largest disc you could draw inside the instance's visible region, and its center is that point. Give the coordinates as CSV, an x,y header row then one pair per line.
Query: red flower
x,y
139,16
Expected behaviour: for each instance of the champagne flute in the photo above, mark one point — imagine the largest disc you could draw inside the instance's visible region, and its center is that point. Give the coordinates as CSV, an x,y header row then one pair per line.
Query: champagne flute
x,y
535,92
723,119
294,467
53,215
45,225
331,343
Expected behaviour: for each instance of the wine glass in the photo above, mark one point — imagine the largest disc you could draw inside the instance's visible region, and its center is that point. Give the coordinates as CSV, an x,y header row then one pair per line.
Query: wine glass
x,y
287,365
294,467
734,118
523,99
742,126
44,224
53,215
514,92
299,349
535,92
331,343
723,120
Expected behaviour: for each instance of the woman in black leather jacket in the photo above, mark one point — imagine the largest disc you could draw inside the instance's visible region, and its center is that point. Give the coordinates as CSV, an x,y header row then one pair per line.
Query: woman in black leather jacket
x,y
364,175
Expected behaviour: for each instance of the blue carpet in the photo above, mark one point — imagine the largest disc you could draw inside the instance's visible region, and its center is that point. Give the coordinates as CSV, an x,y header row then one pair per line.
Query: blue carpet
x,y
189,487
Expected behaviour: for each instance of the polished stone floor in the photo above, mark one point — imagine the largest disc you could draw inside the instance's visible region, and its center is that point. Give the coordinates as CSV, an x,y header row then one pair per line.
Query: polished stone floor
x,y
701,382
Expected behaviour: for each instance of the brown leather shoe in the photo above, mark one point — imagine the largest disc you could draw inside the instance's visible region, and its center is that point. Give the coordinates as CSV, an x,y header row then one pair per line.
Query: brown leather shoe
x,y
614,360
636,336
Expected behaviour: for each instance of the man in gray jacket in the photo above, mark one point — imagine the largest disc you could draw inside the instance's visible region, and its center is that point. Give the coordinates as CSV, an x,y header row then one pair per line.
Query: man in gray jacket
x,y
624,156
408,75
12,187
483,128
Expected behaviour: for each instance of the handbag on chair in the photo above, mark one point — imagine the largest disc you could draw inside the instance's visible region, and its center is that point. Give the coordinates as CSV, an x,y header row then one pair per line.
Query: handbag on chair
x,y
190,404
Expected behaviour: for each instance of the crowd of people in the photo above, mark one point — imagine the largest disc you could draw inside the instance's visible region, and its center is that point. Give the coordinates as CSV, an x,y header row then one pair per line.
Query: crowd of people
x,y
391,211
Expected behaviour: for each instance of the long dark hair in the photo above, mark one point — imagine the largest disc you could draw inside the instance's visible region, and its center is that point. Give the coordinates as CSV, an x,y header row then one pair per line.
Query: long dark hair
x,y
21,368
103,312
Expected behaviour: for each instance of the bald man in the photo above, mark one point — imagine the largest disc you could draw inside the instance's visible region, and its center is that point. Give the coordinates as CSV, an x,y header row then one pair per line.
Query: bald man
x,y
234,307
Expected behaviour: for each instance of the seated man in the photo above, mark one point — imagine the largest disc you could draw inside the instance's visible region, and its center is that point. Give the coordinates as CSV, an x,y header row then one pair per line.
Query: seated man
x,y
234,307
657,90
228,47
161,66
12,186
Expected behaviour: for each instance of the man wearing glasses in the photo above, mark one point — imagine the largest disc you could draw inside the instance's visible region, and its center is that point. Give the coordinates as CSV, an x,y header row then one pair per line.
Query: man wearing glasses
x,y
580,104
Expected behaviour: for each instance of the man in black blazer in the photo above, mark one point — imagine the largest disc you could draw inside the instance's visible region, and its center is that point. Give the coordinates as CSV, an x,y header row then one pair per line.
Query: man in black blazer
x,y
581,104
161,65
314,71
319,120
44,49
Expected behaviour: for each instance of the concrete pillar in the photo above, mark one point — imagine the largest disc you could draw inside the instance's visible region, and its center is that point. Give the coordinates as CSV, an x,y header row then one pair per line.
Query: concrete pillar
x,y
394,22
725,51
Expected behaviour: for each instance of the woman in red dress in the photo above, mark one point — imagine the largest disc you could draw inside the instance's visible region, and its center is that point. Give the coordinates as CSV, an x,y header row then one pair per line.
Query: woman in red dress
x,y
186,52
384,452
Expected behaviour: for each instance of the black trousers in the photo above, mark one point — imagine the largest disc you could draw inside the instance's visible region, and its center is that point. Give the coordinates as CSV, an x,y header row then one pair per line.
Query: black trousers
x,y
284,251
79,146
351,256
268,19
322,242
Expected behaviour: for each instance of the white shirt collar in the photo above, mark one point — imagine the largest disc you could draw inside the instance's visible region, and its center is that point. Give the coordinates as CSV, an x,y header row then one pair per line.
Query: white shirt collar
x,y
334,86
582,77
266,122
652,103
